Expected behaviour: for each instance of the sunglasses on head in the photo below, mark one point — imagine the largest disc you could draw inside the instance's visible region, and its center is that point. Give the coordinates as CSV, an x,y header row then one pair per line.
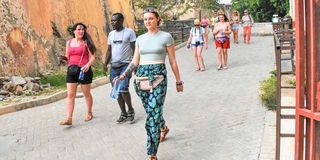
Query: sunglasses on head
x,y
117,41
150,10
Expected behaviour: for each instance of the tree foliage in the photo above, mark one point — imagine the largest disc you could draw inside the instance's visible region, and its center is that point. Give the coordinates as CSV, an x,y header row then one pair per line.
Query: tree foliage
x,y
262,10
208,4
172,9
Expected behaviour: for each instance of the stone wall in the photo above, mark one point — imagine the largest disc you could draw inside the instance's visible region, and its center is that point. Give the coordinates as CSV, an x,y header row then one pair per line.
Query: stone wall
x,y
34,32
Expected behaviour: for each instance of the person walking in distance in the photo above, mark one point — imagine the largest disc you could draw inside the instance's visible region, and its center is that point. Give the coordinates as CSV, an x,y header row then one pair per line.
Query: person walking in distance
x,y
205,22
121,44
235,19
221,33
214,20
151,77
197,40
80,52
247,22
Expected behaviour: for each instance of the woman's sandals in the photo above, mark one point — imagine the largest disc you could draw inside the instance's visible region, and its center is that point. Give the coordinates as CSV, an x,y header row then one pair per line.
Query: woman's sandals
x,y
153,158
88,117
67,121
163,134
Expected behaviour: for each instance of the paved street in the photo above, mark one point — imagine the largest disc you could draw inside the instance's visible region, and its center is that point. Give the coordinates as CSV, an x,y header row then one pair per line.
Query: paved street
x,y
218,116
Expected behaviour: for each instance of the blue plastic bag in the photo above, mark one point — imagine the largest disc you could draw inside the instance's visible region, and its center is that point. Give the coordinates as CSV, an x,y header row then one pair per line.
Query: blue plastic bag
x,y
116,89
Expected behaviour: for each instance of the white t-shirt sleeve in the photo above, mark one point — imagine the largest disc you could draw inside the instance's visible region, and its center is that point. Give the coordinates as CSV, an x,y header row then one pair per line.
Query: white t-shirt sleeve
x,y
132,36
109,39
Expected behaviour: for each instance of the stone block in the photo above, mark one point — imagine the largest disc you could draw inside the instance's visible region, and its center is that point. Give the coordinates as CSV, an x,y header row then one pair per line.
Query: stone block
x,y
18,80
19,90
10,86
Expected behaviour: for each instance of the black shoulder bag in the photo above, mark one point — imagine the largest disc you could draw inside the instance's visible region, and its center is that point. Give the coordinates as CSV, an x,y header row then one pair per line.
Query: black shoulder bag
x,y
75,68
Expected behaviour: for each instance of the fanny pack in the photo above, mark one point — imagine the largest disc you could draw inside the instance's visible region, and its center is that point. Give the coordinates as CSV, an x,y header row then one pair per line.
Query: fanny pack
x,y
145,84
117,64
221,39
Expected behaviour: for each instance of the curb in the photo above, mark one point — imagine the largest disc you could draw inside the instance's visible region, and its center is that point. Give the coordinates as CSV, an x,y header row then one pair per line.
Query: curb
x,y
46,100
260,34
183,44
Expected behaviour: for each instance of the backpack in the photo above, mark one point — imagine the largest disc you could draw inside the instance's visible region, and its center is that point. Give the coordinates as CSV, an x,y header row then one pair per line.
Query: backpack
x,y
250,19
201,31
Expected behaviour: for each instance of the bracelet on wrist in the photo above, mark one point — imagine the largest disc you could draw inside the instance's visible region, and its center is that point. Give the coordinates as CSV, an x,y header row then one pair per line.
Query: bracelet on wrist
x,y
179,83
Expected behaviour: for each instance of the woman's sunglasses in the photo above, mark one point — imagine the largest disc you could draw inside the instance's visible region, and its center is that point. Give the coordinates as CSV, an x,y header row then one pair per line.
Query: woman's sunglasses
x,y
150,10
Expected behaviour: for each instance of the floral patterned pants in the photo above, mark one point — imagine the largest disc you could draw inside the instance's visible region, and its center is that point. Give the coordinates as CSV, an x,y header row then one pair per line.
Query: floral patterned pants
x,y
153,104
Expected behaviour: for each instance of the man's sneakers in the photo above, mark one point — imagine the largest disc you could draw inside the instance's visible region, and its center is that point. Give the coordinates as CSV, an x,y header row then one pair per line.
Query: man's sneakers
x,y
129,116
122,118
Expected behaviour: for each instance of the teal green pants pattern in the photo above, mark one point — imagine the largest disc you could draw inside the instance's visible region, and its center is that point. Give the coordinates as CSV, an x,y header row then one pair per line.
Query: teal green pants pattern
x,y
153,104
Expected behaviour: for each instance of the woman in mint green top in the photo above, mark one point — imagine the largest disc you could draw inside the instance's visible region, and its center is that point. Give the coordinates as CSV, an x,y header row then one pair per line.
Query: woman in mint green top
x,y
149,57
153,47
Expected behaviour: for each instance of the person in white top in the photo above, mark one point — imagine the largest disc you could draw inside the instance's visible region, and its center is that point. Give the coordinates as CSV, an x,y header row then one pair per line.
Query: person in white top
x,y
197,40
121,44
247,22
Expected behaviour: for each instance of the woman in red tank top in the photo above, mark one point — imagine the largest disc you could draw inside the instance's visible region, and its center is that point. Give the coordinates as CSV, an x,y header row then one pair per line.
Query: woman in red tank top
x,y
79,52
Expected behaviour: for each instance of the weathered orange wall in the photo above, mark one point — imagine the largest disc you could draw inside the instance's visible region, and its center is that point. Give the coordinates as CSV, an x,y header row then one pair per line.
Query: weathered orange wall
x,y
33,32
124,7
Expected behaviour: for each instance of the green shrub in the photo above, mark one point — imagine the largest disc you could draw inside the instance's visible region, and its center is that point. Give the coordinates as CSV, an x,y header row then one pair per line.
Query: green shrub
x,y
57,80
141,30
97,69
69,29
292,82
273,73
268,89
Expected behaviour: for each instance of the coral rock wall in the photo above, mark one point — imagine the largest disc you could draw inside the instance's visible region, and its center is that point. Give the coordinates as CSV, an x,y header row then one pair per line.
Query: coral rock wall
x,y
34,32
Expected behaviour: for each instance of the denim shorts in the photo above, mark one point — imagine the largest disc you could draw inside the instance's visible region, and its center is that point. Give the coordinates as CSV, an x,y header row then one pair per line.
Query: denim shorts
x,y
116,72
197,44
235,26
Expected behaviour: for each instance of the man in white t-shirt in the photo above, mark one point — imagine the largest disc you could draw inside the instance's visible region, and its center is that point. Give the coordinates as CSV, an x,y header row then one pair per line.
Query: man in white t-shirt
x,y
121,45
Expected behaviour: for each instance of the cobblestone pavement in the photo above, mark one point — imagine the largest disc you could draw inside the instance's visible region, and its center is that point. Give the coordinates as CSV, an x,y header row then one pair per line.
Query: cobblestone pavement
x,y
218,117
